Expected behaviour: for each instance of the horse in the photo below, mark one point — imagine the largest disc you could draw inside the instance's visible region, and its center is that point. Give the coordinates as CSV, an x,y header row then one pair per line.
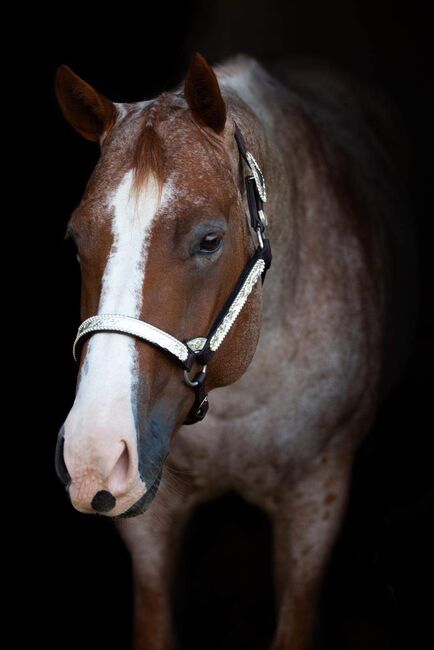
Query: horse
x,y
174,232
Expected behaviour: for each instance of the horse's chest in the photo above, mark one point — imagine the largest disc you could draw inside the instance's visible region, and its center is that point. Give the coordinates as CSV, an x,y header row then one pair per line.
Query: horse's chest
x,y
221,457
249,451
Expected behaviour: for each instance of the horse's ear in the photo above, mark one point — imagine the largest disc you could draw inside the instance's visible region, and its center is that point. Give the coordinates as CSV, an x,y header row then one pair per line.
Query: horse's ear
x,y
89,112
202,92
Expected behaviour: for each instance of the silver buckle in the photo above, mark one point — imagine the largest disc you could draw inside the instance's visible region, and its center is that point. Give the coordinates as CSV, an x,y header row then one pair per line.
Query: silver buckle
x,y
197,344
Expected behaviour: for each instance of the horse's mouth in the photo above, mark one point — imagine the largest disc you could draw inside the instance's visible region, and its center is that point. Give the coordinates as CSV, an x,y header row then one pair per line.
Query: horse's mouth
x,y
145,500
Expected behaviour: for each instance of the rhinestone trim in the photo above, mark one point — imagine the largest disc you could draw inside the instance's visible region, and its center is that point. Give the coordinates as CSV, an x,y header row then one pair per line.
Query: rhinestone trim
x,y
237,305
258,176
134,327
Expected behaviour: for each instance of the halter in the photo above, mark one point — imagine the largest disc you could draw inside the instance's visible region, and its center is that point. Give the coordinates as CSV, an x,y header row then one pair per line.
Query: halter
x,y
200,349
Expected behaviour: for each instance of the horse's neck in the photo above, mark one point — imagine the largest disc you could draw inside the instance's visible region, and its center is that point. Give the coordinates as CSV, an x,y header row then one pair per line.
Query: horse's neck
x,y
307,223
317,254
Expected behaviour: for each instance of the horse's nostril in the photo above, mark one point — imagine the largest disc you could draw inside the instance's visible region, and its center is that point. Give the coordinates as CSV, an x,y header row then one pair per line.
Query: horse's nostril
x,y
118,479
93,485
103,501
59,461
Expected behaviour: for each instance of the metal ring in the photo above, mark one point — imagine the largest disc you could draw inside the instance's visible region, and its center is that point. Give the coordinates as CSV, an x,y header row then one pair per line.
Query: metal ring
x,y
188,380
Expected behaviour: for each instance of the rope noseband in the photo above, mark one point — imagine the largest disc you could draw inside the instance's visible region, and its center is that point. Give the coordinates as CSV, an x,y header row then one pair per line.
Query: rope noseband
x,y
200,349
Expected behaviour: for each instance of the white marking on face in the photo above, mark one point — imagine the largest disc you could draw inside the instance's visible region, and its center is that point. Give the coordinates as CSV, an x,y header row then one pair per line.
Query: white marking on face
x,y
123,277
102,412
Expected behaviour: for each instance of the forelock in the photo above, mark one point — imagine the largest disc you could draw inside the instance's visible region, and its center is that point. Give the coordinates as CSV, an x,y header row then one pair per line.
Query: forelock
x,y
150,153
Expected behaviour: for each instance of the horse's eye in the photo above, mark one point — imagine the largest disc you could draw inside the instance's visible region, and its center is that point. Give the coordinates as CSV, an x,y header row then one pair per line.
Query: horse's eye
x,y
210,243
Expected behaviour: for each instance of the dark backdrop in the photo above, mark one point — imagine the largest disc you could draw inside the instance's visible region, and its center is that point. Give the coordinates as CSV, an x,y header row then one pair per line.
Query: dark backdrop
x,y
378,591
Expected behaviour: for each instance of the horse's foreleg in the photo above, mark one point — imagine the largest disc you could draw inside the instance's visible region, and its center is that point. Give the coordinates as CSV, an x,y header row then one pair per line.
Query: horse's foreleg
x,y
152,540
153,625
306,519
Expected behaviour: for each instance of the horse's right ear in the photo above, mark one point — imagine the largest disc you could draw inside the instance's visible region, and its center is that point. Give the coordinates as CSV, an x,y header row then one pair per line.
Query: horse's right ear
x,y
89,112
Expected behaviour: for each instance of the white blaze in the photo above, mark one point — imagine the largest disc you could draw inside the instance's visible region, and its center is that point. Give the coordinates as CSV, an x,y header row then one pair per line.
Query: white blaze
x,y
123,277
103,402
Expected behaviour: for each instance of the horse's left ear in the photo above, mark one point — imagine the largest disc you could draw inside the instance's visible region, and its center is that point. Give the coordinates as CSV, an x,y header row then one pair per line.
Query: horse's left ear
x,y
202,92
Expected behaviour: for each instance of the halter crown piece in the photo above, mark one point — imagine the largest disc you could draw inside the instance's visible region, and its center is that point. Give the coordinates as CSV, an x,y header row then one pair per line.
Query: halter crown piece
x,y
201,349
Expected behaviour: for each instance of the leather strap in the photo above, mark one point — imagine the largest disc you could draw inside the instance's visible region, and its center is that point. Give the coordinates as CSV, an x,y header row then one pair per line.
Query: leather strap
x,y
255,268
200,404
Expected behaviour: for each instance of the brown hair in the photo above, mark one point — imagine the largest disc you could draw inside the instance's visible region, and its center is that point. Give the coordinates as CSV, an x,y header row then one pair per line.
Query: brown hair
x,y
149,155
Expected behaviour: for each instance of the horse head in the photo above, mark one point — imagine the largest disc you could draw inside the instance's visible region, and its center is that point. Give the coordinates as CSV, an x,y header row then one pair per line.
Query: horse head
x,y
162,237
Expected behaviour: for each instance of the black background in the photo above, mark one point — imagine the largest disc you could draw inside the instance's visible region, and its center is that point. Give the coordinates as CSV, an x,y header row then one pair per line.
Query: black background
x,y
378,592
